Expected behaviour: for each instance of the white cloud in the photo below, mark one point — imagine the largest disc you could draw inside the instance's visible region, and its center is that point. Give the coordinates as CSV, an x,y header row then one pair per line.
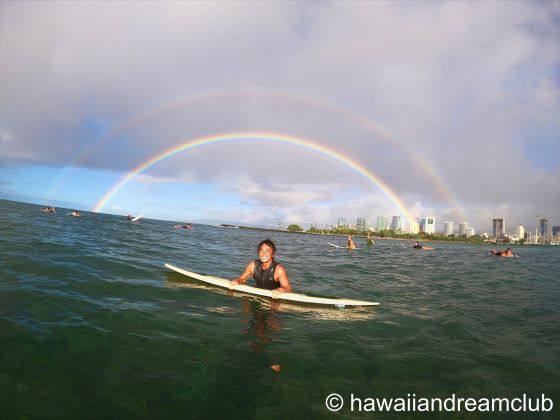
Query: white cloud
x,y
280,195
154,180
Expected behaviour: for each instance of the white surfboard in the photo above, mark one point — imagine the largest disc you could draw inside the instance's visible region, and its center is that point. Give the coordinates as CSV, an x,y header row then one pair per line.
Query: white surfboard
x,y
293,297
341,247
137,218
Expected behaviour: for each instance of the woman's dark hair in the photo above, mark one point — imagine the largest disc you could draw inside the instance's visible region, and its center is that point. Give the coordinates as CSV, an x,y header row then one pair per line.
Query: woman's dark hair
x,y
267,242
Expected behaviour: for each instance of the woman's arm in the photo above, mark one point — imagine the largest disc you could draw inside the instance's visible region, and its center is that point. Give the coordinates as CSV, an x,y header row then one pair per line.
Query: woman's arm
x,y
244,276
281,277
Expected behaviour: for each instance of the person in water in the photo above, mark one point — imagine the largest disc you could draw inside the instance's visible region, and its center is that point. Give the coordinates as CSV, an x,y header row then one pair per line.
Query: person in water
x,y
129,217
350,243
418,245
49,210
507,253
75,213
369,240
266,271
187,226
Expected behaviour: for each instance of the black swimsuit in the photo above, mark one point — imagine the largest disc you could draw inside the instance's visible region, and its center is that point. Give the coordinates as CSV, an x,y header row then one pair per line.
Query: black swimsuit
x,y
265,278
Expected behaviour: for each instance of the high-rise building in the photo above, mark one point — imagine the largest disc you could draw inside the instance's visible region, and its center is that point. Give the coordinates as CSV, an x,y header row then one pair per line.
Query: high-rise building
x,y
448,228
520,231
427,224
431,225
382,223
463,228
543,227
469,232
414,228
342,223
555,231
361,225
499,228
396,224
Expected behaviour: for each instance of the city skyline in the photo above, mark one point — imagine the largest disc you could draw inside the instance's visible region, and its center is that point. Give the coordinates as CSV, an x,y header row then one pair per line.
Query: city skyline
x,y
447,227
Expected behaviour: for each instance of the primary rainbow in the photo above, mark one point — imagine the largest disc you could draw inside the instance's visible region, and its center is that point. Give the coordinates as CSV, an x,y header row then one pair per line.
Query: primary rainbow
x,y
321,103
274,137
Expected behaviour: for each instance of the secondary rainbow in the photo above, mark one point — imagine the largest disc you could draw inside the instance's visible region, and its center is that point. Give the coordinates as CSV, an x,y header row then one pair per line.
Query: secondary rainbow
x,y
321,103
257,136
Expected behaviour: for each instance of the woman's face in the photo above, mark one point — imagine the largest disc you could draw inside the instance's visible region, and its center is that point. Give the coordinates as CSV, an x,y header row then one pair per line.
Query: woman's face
x,y
265,253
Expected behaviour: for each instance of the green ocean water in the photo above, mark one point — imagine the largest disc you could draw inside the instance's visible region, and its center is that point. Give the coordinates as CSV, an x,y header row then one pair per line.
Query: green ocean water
x,y
93,326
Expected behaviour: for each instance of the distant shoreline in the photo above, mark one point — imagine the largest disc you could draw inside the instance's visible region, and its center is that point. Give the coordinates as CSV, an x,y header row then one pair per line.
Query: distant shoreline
x,y
373,236
360,236
382,238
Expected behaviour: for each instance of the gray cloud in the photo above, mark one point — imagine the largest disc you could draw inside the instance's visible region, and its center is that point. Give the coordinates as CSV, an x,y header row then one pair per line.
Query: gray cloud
x,y
470,87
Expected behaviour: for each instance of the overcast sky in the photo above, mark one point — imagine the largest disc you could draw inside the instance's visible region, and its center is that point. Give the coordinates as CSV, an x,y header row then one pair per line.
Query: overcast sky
x,y
89,90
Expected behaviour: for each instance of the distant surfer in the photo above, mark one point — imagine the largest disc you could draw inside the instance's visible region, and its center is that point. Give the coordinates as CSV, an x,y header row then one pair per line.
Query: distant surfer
x,y
187,226
350,243
267,272
129,217
49,209
418,245
75,213
507,253
369,240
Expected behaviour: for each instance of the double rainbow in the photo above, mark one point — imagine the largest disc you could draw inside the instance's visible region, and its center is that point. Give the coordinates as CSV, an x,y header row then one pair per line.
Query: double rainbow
x,y
320,103
257,136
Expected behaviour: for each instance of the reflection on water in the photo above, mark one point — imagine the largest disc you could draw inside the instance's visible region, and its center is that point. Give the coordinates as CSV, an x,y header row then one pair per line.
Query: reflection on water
x,y
261,322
